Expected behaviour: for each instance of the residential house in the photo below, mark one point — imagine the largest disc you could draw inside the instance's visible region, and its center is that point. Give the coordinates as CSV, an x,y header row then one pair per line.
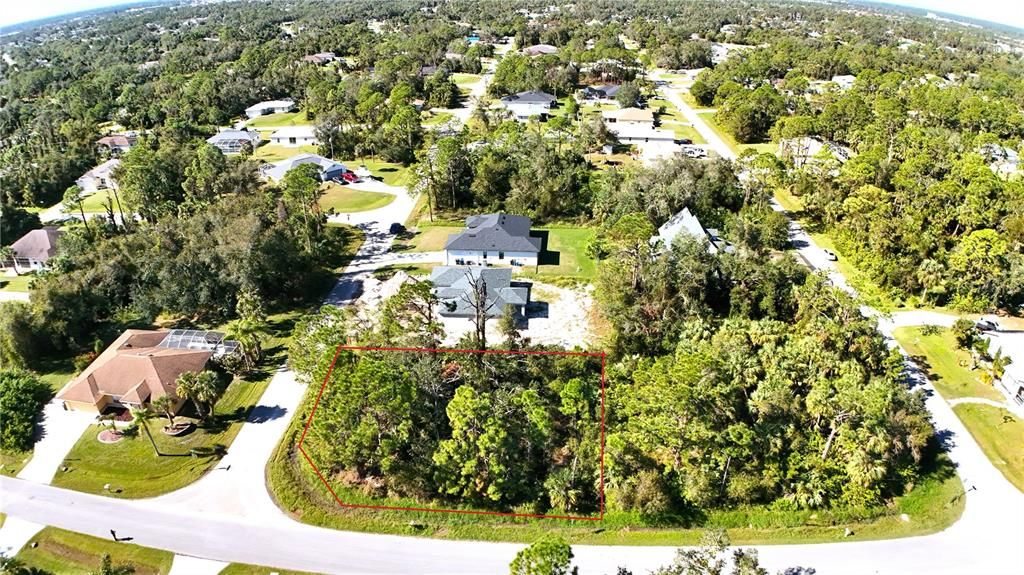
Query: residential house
x,y
142,366
233,141
269,107
526,105
686,223
33,251
99,178
320,58
329,169
540,50
636,116
493,238
117,144
845,82
630,133
806,149
604,93
294,136
456,290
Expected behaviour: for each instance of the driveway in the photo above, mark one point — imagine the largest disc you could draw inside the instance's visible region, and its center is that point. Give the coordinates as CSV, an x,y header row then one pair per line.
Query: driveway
x,y
59,430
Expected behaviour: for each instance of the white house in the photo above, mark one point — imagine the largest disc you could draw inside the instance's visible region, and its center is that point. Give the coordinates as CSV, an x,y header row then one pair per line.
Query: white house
x,y
100,177
269,107
803,150
1002,160
525,105
329,169
540,50
845,82
629,133
633,116
294,136
493,239
232,141
685,222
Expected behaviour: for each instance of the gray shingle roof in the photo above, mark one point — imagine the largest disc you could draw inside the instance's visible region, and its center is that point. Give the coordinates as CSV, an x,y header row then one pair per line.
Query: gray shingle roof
x,y
531,97
495,232
453,285
39,245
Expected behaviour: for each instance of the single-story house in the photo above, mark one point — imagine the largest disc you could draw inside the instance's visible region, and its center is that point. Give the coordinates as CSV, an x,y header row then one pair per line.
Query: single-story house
x,y
232,141
329,169
269,107
427,71
294,136
100,177
319,58
540,50
803,150
525,105
140,367
33,251
685,222
845,81
117,144
455,288
630,133
606,92
636,116
493,238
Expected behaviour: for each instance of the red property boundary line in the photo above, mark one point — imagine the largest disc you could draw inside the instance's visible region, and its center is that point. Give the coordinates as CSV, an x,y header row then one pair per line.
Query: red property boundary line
x,y
316,405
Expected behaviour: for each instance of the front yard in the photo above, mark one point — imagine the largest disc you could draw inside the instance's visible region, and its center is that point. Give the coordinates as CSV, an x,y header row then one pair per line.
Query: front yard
x,y
945,364
96,203
18,283
1000,434
279,120
343,199
277,152
736,147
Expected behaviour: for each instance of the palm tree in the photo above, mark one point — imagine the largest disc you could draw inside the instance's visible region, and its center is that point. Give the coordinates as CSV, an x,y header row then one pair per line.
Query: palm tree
x,y
139,417
202,388
166,404
249,333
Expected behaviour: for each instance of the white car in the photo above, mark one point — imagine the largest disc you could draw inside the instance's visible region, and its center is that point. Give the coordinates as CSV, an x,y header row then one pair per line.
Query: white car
x,y
831,255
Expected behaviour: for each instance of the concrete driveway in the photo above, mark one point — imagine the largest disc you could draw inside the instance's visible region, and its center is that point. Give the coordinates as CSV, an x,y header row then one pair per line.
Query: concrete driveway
x,y
59,430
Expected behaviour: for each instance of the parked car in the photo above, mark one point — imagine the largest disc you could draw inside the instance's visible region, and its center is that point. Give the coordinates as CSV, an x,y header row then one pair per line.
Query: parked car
x,y
831,255
396,228
350,177
684,141
986,325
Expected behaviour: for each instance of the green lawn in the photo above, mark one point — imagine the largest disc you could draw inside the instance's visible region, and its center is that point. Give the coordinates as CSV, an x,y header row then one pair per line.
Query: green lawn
x,y
764,147
278,152
935,503
280,120
343,199
464,80
566,254
391,173
17,283
416,270
1000,434
96,203
430,238
691,101
12,462
684,130
64,552
242,569
947,366
436,118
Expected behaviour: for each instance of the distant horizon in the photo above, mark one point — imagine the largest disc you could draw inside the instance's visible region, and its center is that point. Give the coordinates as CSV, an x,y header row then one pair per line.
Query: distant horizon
x,y
999,13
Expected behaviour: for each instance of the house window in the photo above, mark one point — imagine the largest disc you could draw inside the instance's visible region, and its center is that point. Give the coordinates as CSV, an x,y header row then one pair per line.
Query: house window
x,y
485,255
501,255
291,140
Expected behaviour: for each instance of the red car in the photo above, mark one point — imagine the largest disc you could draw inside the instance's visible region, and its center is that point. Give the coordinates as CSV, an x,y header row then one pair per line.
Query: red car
x,y
350,177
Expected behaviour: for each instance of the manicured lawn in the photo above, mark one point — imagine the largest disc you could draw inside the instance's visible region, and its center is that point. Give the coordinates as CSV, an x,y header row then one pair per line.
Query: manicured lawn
x,y
566,254
277,152
280,120
764,147
947,366
1000,434
391,173
935,503
96,203
463,80
596,109
15,283
431,238
65,552
684,130
242,569
12,462
416,270
343,199
436,118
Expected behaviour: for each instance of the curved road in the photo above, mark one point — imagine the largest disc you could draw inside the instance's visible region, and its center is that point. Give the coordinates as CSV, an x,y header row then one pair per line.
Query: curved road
x,y
229,516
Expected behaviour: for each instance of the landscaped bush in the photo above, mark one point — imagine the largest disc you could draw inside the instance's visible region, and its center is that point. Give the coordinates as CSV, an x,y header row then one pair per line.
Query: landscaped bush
x,y
22,397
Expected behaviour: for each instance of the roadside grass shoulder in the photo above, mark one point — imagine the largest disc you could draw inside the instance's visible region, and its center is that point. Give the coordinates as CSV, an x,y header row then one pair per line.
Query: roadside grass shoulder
x,y
736,147
243,569
64,552
1000,434
946,365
